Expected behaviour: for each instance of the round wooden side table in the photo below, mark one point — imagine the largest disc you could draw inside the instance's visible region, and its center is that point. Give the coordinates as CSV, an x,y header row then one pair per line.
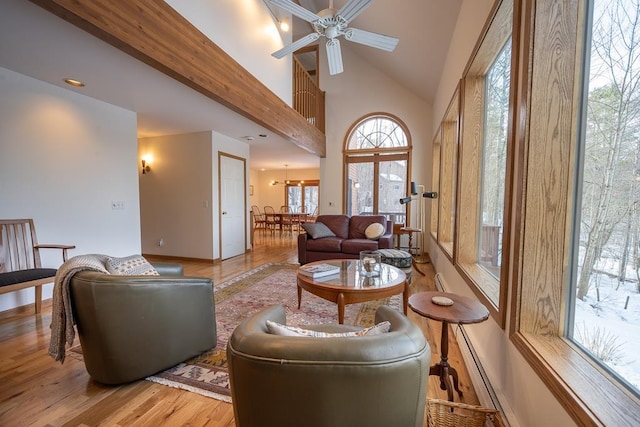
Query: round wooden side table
x,y
464,310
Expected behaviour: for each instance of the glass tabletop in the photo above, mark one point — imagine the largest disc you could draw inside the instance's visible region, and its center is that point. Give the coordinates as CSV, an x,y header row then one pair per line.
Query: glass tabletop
x,y
352,277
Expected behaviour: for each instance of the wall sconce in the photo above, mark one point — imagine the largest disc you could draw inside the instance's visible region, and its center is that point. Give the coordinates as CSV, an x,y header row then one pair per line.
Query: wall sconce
x,y
145,167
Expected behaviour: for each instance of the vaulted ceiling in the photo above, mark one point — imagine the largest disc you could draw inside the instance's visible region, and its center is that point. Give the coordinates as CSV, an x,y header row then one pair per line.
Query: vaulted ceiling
x,y
28,32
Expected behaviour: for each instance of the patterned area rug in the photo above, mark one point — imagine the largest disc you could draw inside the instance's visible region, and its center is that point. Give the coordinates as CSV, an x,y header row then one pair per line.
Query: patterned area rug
x,y
244,295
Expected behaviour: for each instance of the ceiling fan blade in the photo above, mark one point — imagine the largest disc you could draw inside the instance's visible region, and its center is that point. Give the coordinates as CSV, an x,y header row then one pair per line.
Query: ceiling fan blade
x,y
334,56
379,41
308,4
295,9
309,38
353,8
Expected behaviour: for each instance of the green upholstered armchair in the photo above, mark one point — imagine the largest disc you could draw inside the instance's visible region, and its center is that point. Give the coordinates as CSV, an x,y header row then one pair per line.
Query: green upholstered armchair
x,y
377,380
131,327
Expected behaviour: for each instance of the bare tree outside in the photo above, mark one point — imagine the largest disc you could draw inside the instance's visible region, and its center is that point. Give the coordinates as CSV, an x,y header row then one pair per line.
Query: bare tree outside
x,y
608,230
494,163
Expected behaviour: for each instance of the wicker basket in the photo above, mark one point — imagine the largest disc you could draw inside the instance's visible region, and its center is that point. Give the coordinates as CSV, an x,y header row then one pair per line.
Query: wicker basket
x,y
442,413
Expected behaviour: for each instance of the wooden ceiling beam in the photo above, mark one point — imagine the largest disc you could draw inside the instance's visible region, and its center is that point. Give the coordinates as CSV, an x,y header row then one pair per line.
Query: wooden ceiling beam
x,y
154,33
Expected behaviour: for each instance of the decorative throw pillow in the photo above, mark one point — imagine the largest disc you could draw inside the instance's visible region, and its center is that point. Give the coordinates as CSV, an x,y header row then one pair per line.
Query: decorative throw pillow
x,y
316,230
134,265
294,331
374,231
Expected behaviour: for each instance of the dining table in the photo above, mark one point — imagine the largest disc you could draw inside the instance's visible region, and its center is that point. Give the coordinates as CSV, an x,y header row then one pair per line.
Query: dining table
x,y
290,219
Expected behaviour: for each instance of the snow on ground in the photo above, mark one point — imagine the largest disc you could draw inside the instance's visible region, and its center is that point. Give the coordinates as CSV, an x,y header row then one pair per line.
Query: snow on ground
x,y
610,316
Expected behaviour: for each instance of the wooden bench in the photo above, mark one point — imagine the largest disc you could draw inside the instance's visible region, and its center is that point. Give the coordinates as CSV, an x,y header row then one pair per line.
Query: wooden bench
x,y
20,265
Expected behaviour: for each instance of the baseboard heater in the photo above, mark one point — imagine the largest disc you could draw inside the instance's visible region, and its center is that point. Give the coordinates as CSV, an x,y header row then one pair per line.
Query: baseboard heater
x,y
483,388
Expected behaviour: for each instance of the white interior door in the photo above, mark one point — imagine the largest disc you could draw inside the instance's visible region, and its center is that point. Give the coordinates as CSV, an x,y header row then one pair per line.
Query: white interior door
x,y
232,206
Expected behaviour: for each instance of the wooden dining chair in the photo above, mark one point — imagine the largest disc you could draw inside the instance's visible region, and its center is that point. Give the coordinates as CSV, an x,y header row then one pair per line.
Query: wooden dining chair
x,y
312,216
287,221
270,218
259,220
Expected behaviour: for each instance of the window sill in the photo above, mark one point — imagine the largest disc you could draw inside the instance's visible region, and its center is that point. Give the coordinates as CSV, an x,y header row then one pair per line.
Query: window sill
x,y
587,393
486,288
447,248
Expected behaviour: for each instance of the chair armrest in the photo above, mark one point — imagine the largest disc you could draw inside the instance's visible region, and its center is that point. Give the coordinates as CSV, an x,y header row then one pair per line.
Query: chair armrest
x,y
63,247
302,248
404,340
168,268
386,240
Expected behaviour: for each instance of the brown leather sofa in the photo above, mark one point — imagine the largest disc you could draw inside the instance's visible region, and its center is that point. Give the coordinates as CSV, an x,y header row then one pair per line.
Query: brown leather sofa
x,y
131,327
371,381
349,238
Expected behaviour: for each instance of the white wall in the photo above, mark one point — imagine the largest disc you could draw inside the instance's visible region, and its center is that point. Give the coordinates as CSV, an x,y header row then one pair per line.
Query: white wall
x,y
180,196
524,397
246,31
471,20
359,91
176,195
64,158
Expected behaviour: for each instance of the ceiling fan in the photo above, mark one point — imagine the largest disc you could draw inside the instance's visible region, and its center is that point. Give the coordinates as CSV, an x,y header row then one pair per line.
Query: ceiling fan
x,y
332,23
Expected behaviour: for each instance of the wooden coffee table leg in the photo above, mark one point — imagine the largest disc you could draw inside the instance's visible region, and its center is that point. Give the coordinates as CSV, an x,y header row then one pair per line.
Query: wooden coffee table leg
x,y
299,296
340,308
405,297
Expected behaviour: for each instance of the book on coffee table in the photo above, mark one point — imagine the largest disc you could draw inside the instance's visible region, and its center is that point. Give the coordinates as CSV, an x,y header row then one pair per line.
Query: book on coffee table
x,y
319,270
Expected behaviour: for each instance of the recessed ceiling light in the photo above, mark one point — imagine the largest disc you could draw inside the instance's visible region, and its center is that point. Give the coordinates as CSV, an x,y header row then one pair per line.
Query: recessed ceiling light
x,y
74,82
248,138
263,135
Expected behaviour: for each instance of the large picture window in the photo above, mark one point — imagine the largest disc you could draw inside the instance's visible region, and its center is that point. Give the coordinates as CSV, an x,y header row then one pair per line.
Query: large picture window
x,y
485,161
494,163
302,196
576,195
450,134
435,183
377,167
605,312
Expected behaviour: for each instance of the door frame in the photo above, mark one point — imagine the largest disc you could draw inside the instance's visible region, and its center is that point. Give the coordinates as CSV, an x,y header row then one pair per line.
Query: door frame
x,y
244,198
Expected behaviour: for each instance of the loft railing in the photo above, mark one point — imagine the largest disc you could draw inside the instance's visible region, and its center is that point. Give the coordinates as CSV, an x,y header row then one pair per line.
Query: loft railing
x,y
308,99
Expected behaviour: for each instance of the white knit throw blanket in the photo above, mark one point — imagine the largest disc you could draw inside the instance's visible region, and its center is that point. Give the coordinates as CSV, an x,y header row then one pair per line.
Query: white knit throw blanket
x,y
62,330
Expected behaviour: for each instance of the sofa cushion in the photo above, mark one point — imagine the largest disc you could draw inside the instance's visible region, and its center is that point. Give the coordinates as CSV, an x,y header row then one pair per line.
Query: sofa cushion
x,y
359,223
374,231
354,246
294,331
133,265
326,244
339,224
317,230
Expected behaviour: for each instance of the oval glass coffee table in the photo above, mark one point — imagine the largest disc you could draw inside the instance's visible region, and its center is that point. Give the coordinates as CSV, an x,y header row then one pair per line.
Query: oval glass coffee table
x,y
350,287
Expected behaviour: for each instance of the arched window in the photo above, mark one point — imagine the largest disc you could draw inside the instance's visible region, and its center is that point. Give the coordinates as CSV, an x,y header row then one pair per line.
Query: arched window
x,y
377,157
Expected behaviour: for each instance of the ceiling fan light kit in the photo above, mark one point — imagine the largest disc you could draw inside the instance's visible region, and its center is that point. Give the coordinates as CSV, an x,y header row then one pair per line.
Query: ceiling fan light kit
x,y
332,24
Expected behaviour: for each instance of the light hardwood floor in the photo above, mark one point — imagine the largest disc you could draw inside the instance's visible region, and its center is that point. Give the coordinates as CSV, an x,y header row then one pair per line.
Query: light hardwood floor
x,y
36,391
